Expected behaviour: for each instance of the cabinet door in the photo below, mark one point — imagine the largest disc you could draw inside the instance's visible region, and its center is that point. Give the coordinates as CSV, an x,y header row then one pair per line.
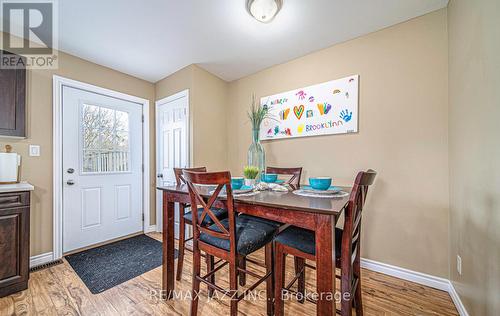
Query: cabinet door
x,y
12,102
14,245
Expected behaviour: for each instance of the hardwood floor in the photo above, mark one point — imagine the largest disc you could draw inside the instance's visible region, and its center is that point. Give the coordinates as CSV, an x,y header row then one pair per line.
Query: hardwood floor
x,y
59,291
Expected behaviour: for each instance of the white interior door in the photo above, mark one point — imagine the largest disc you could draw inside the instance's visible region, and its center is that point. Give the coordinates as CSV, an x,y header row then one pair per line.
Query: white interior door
x,y
102,168
172,117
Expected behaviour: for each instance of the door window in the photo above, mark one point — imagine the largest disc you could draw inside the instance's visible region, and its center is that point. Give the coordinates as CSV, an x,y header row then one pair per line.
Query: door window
x,y
105,140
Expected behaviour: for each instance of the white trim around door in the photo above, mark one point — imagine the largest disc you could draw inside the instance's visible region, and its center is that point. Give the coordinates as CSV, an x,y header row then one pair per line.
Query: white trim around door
x,y
58,84
178,95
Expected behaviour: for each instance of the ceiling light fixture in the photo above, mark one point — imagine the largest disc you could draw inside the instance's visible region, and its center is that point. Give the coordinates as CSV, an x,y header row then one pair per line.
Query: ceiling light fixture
x,y
264,10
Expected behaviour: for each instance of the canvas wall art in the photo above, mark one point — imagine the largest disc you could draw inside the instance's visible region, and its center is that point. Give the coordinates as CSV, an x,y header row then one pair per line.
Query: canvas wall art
x,y
322,109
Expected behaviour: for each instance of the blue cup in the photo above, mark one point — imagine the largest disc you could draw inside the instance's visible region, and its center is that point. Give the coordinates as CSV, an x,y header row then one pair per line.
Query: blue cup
x,y
269,177
237,183
320,183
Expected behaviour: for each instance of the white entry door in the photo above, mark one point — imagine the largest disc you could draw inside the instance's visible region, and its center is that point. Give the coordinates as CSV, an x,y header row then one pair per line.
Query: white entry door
x,y
172,143
102,168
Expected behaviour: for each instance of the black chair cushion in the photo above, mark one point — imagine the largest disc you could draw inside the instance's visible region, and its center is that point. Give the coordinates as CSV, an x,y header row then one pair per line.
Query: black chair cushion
x,y
220,213
304,239
251,234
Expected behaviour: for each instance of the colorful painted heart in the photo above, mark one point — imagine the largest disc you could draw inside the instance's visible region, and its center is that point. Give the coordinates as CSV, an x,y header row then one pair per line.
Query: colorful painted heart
x,y
298,110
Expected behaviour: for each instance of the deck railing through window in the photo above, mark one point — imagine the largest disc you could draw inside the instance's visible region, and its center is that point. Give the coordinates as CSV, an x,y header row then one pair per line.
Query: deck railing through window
x,y
106,161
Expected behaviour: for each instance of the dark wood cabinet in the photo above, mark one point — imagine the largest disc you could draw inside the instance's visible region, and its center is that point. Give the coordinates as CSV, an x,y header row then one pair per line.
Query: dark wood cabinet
x,y
14,242
12,100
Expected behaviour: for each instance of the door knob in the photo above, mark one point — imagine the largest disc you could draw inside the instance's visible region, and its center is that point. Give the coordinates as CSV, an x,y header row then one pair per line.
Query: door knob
x,y
160,175
70,182
71,170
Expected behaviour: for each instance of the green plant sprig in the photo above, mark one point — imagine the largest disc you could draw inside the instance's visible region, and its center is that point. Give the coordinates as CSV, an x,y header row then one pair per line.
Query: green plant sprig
x,y
250,172
257,114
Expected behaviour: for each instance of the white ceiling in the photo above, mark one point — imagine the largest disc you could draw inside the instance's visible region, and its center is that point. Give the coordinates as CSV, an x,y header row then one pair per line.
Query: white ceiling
x,y
151,39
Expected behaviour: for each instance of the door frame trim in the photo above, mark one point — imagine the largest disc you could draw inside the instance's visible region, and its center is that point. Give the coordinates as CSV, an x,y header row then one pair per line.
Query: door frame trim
x,y
178,95
57,132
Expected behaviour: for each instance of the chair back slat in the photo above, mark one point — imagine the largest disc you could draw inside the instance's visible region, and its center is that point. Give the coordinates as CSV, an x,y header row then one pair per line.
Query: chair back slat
x,y
223,235
207,210
357,223
358,196
353,216
354,253
295,174
178,173
221,180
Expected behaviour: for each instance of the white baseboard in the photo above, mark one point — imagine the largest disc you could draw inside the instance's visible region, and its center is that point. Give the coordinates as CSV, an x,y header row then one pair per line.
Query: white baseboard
x,y
457,301
41,259
417,277
405,274
150,229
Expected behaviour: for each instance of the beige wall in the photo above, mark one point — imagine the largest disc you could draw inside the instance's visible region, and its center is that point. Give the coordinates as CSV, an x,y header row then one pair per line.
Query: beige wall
x,y
403,134
474,79
38,170
208,113
176,82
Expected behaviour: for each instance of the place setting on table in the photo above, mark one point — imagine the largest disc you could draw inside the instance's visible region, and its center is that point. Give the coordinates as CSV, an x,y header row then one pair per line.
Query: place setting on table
x,y
318,187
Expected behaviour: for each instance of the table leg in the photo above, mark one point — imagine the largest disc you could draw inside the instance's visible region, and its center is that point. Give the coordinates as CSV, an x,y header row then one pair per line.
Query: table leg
x,y
168,248
325,264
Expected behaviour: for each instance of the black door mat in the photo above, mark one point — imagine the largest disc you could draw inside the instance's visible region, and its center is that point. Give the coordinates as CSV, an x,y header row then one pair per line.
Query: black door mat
x,y
107,266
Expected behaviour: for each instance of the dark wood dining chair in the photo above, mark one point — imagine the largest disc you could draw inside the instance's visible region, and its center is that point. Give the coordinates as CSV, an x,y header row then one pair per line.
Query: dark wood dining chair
x,y
294,181
228,239
295,174
301,244
186,218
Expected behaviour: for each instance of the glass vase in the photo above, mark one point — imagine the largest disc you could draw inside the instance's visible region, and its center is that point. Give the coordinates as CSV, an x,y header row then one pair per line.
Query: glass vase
x,y
256,155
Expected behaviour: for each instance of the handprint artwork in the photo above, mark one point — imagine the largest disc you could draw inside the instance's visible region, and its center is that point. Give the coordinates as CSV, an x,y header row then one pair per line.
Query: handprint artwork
x,y
326,108
346,115
301,94
284,114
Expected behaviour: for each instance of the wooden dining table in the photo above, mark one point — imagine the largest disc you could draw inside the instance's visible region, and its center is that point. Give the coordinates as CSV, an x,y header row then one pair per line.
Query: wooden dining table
x,y
317,214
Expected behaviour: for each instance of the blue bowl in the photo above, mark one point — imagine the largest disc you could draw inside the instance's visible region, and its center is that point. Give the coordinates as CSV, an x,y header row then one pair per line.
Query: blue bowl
x,y
320,183
269,177
237,183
